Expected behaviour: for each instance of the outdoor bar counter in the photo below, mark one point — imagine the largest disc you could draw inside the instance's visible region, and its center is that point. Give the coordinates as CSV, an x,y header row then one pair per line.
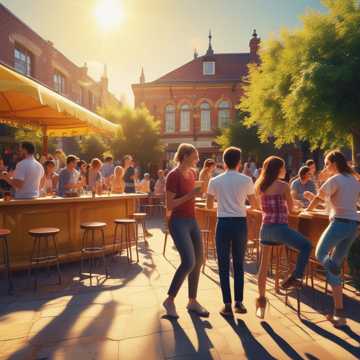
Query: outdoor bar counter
x,y
310,224
19,216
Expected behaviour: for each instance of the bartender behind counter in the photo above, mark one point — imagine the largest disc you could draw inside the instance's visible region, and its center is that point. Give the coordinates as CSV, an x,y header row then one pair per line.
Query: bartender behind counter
x,y
69,178
27,174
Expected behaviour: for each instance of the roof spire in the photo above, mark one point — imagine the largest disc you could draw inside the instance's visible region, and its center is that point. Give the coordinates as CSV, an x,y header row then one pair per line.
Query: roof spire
x,y
210,50
195,53
142,76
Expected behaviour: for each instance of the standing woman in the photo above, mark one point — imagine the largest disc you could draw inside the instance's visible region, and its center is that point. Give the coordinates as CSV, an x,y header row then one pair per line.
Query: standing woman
x,y
180,201
276,203
342,190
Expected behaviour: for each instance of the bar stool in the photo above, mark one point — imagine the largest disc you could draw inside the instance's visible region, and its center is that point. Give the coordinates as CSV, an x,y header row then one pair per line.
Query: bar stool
x,y
280,261
140,217
45,257
4,233
90,248
208,241
127,229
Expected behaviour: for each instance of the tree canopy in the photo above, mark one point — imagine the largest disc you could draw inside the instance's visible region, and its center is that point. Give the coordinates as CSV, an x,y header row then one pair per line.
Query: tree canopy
x,y
139,134
307,86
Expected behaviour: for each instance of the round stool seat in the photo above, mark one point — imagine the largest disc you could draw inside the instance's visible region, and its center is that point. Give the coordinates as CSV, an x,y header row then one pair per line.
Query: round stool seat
x,y
139,215
93,225
269,243
124,221
4,232
44,231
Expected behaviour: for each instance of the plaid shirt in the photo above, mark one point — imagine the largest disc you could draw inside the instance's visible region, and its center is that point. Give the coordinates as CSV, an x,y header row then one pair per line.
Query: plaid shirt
x,y
274,209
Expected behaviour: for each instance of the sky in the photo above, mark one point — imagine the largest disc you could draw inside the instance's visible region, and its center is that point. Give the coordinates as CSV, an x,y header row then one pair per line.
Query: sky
x,y
158,35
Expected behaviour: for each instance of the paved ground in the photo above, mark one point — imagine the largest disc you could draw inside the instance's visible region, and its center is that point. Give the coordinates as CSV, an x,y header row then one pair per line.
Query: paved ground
x,y
121,319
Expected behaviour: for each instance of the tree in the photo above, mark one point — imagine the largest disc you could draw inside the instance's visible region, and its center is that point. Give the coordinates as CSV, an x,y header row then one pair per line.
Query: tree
x,y
92,146
237,134
139,134
307,86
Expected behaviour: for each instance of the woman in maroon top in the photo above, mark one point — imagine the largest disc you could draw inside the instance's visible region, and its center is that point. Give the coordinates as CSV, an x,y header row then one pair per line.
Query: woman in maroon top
x,y
180,201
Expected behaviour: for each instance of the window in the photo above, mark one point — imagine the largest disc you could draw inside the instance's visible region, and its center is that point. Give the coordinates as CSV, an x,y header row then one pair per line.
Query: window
x,y
59,82
223,114
209,68
205,117
23,61
170,119
185,118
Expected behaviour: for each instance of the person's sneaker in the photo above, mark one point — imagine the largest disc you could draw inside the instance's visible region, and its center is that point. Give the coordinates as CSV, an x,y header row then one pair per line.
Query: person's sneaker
x,y
170,309
338,318
197,309
240,308
291,282
227,311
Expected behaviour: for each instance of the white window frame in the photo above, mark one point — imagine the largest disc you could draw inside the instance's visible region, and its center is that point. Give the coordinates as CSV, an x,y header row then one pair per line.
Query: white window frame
x,y
59,80
209,68
23,61
185,118
169,127
223,114
205,117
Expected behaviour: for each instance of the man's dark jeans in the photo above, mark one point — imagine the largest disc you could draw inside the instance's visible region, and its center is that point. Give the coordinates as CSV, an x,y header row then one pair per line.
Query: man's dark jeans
x,y
231,234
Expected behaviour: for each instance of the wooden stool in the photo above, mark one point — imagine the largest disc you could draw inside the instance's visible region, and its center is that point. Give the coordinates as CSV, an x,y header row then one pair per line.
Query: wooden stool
x,y
40,235
127,230
90,248
140,217
5,247
282,268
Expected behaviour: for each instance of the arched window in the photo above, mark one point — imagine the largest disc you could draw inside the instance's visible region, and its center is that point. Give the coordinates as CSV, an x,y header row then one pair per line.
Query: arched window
x,y
205,117
223,114
170,119
185,118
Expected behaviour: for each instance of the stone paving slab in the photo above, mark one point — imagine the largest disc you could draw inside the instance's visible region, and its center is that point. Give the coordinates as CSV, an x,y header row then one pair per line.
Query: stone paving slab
x,y
121,318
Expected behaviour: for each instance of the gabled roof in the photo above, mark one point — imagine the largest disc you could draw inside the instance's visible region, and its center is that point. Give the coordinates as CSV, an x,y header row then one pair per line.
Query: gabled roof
x,y
228,67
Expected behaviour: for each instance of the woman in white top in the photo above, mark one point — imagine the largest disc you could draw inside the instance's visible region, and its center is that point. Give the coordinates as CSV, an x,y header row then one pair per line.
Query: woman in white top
x,y
342,190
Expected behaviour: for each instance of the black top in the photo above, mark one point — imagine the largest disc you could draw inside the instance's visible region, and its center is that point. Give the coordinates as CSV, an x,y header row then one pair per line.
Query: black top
x,y
129,180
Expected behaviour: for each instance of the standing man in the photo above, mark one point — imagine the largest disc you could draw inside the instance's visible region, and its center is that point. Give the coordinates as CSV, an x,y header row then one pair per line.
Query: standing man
x,y
107,170
129,175
231,189
28,174
69,178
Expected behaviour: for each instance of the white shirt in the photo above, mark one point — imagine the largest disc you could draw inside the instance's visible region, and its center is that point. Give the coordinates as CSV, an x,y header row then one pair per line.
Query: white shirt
x,y
30,171
342,192
231,190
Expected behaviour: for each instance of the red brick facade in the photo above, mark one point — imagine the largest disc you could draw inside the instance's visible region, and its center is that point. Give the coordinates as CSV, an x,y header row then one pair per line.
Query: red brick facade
x,y
190,85
46,61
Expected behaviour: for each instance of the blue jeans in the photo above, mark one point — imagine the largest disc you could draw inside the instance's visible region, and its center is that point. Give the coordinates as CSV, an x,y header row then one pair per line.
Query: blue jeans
x,y
187,239
281,234
231,235
333,247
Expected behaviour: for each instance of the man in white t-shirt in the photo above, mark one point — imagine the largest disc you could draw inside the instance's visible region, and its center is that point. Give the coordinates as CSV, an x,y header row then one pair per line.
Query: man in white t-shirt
x,y
27,175
231,189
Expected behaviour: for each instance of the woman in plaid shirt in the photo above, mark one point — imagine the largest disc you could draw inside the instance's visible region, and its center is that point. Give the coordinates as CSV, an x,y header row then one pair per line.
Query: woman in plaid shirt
x,y
276,202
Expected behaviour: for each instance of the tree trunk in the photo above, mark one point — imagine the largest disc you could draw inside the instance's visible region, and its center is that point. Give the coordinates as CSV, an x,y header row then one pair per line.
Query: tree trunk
x,y
355,147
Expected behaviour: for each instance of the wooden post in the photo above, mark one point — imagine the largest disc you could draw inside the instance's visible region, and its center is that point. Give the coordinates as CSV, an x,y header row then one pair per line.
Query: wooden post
x,y
45,140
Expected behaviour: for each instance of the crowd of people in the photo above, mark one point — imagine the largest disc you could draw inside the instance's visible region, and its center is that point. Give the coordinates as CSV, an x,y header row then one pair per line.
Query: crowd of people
x,y
25,177
336,188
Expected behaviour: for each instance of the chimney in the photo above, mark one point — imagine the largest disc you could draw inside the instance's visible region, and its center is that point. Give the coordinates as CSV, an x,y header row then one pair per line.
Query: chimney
x,y
254,47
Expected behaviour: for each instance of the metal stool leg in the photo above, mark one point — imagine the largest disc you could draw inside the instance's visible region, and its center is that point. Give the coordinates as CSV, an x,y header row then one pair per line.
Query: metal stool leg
x,y
103,254
83,245
7,264
136,244
57,259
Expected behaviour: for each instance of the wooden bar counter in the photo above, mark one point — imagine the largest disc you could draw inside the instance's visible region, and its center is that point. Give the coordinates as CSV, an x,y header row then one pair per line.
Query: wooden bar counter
x,y
64,213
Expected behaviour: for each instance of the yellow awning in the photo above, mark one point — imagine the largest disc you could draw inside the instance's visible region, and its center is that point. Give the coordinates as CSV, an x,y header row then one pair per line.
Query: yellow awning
x,y
27,104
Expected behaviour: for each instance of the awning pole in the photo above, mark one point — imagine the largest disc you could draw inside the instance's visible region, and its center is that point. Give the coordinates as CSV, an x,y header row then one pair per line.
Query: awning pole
x,y
45,140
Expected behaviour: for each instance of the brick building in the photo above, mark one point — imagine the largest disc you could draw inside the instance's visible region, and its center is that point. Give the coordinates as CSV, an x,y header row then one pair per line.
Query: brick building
x,y
27,52
197,99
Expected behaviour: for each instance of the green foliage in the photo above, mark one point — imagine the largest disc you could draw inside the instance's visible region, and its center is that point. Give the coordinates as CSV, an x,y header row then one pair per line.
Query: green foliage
x,y
36,138
307,86
92,146
139,134
236,134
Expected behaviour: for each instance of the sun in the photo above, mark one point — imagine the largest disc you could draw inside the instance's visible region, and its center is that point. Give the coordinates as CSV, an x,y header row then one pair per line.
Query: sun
x,y
109,13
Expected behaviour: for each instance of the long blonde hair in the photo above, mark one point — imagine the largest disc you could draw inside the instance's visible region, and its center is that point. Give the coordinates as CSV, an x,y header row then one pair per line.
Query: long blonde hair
x,y
183,150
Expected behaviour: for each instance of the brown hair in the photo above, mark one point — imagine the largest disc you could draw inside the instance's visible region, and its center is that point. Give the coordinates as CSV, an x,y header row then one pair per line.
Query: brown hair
x,y
95,162
184,150
232,157
208,163
337,157
303,171
269,172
